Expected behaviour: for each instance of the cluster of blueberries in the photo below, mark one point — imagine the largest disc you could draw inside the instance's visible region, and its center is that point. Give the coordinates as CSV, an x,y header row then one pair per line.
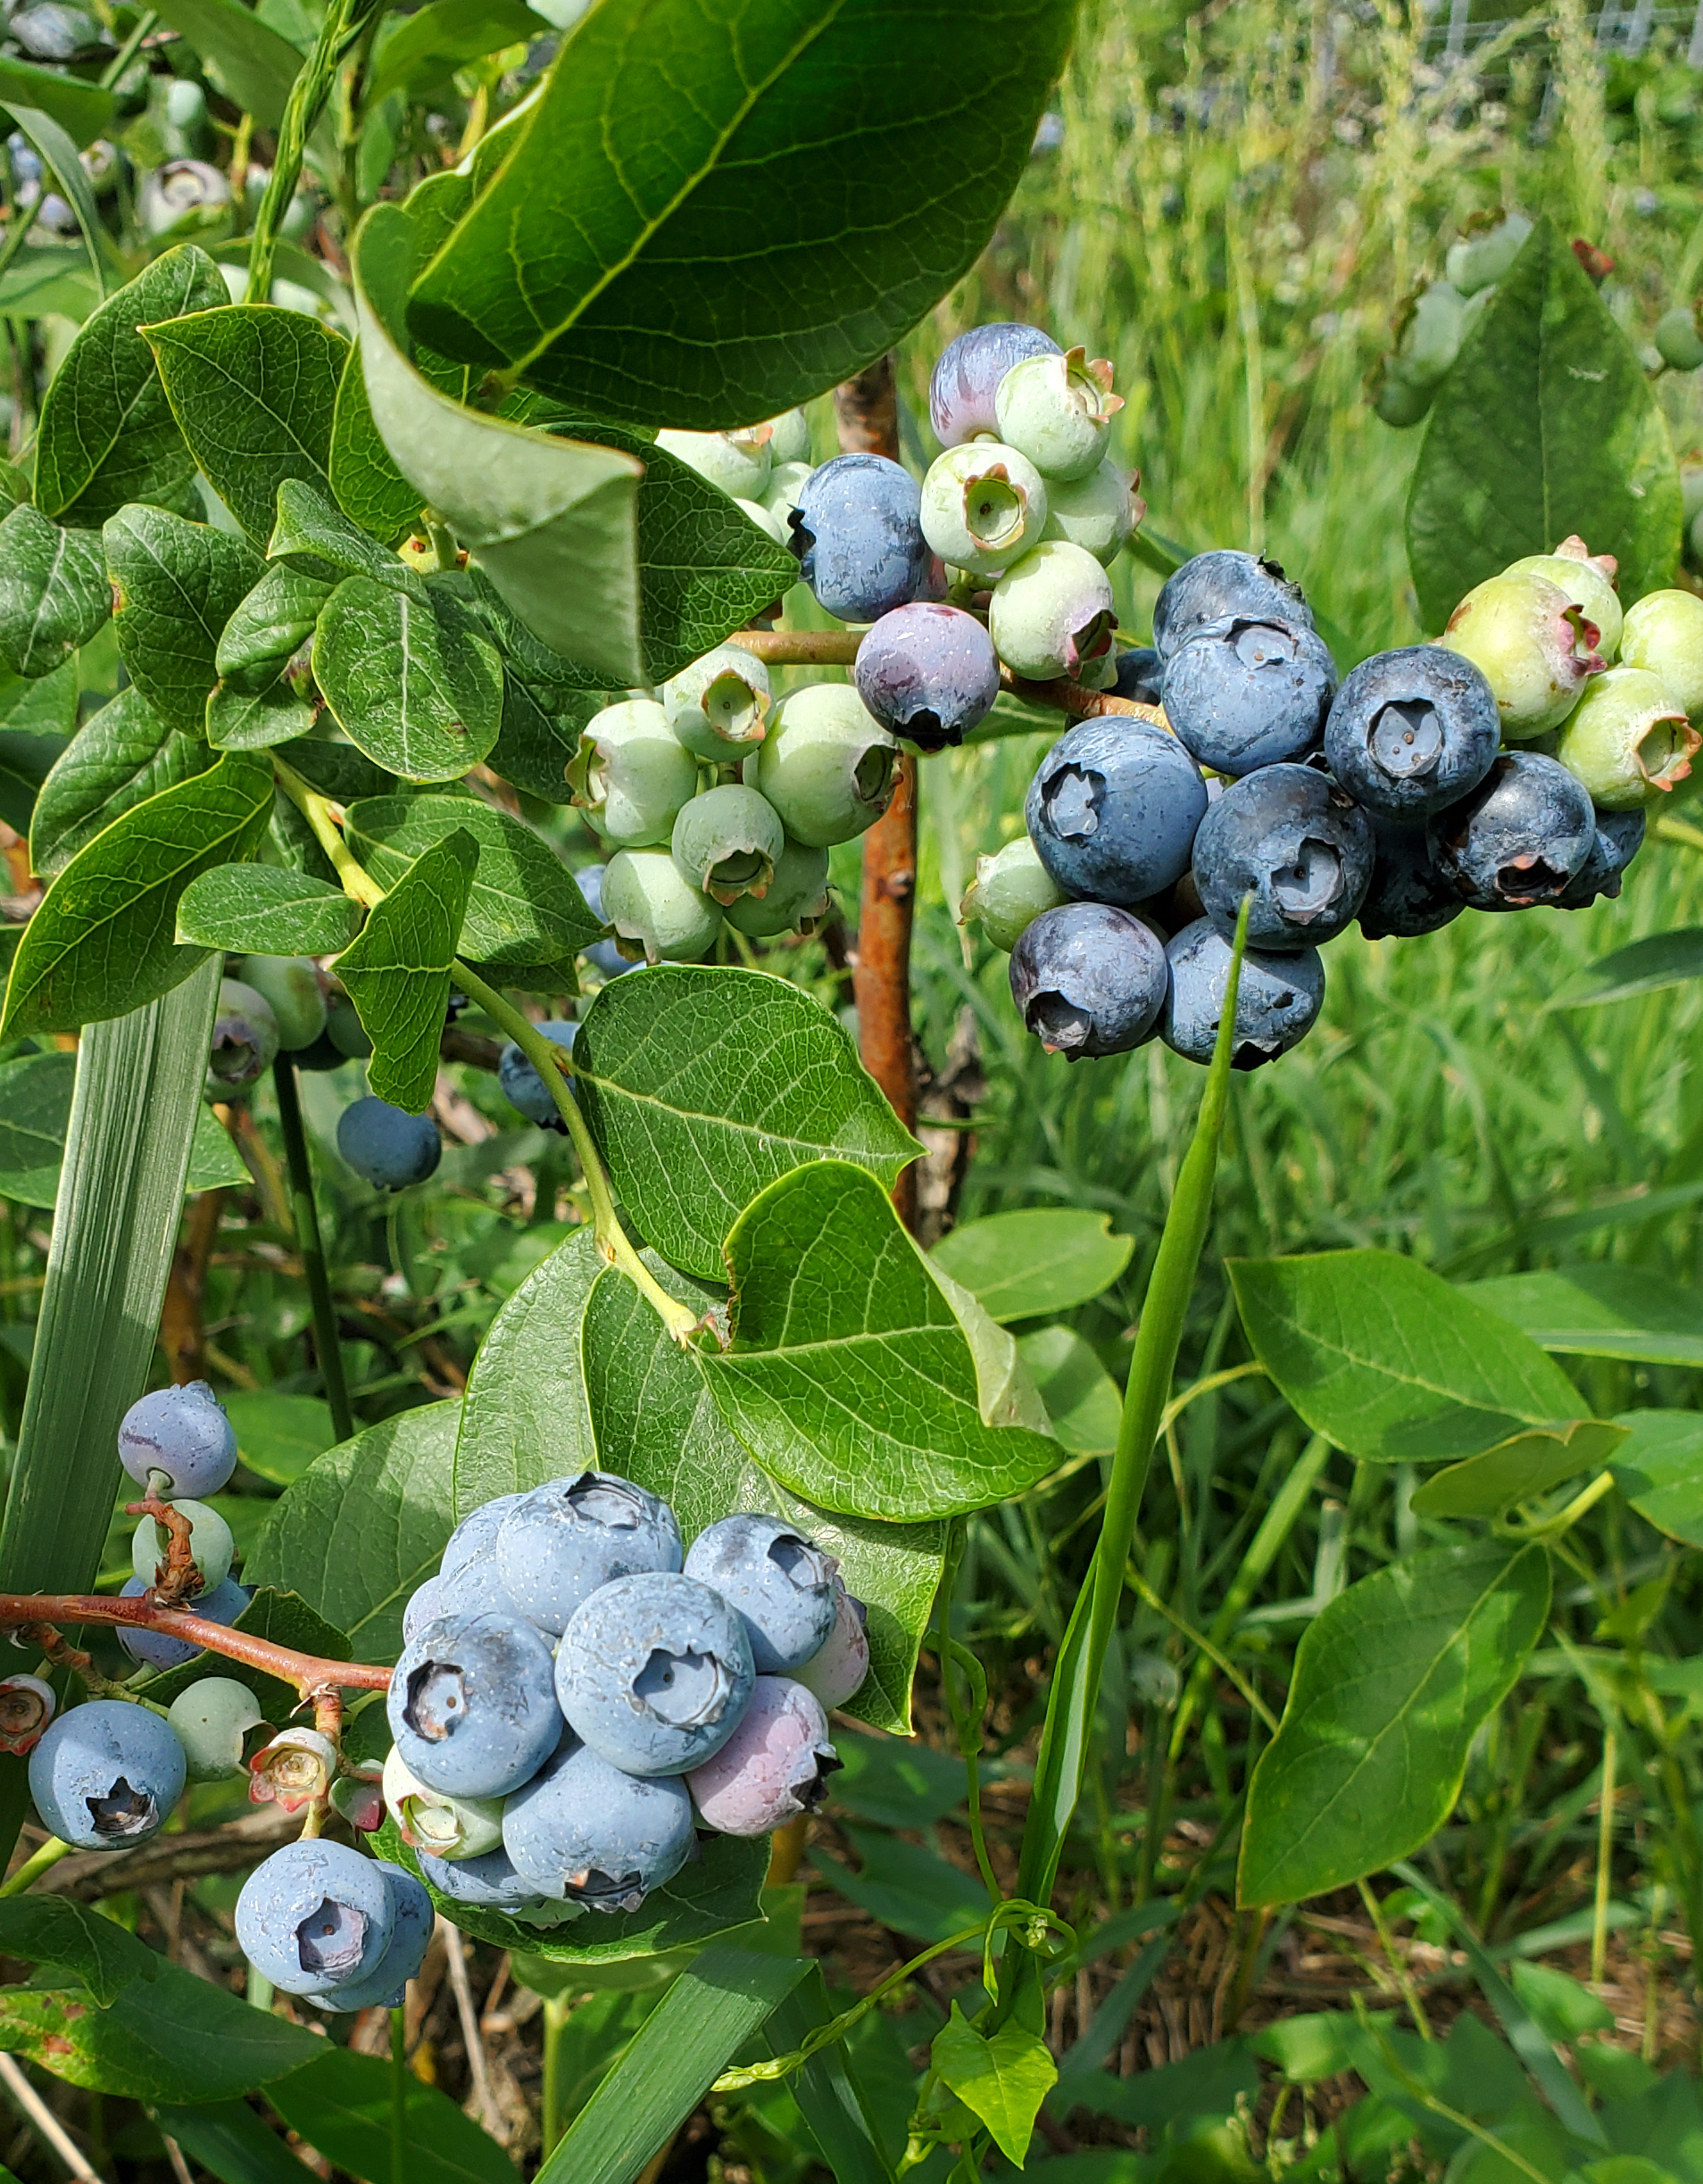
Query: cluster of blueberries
x,y
1506,765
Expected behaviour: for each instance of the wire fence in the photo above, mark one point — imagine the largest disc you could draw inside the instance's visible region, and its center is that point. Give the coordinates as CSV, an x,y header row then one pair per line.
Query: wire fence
x,y
1627,26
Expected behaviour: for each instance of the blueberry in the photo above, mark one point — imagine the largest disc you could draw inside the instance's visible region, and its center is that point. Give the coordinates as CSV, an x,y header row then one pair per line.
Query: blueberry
x,y
487,1883
1412,730
789,439
857,531
182,196
1679,337
837,1673
1088,980
471,1705
1664,633
1113,810
475,1587
786,481
1051,612
774,1767
1277,1001
1620,835
583,1830
211,1543
983,505
245,1039
1099,512
413,1918
653,1671
1407,895
106,1774
343,1027
1220,586
1486,251
604,955
427,1819
727,842
779,1584
315,1916
1588,578
1521,837
1626,739
1289,838
27,1705
1242,694
224,1604
827,766
476,1530
1536,646
631,774
717,706
1137,675
966,380
209,1720
1056,409
656,909
798,895
928,673
736,462
524,1088
1010,889
183,1432
387,1146
293,989
563,1541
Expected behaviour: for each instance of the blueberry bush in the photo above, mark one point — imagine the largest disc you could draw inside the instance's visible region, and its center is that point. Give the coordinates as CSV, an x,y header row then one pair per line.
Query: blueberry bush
x,y
467,700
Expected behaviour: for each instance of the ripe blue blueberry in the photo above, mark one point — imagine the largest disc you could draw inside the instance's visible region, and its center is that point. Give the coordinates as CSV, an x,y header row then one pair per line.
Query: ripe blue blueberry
x,y
567,1538
387,1146
1620,835
488,1882
1407,895
413,1918
781,1586
1088,980
928,672
1113,810
475,1587
1522,837
1277,1001
524,1088
857,532
182,1433
774,1767
653,1671
1289,837
106,1774
315,1916
224,1604
584,1830
1411,731
1138,677
476,1530
967,378
837,1673
1242,694
1223,585
604,955
245,1039
473,1707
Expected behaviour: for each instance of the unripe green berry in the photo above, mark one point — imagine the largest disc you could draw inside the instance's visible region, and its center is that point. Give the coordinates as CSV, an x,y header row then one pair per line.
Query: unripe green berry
x,y
210,1542
982,506
1588,579
428,1820
789,439
1481,259
344,1028
1055,410
765,520
1428,335
296,992
208,1719
727,842
827,766
1099,512
1398,402
1664,633
1052,610
797,900
245,1039
631,774
785,483
1691,491
736,462
717,706
1679,337
1534,646
656,911
1626,739
1010,889
1695,538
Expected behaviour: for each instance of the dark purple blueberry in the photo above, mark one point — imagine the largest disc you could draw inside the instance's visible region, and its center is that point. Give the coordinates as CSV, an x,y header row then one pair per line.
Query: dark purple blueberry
x,y
1522,836
1242,694
1222,585
1620,835
1113,810
928,673
1291,839
1277,1001
857,532
1412,731
1408,895
1088,980
966,380
1139,677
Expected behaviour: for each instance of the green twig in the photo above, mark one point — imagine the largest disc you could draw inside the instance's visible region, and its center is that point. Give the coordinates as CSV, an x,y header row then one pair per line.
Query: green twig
x,y
311,1247
145,25
398,2097
303,107
34,1866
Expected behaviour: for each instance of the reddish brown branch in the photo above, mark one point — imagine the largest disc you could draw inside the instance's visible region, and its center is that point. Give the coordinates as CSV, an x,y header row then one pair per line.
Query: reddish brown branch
x,y
182,1334
182,1578
836,648
308,1672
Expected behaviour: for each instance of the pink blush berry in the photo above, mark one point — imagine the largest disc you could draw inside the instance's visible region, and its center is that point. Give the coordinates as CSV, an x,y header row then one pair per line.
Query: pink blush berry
x,y
774,1767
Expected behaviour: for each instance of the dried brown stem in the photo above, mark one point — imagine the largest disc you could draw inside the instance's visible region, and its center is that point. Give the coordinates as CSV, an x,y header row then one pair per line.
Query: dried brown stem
x,y
59,1649
182,1578
182,1333
309,1673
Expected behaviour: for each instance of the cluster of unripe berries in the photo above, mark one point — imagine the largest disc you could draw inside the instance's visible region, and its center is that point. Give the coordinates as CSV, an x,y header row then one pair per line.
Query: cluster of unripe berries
x,y
1434,322
1505,767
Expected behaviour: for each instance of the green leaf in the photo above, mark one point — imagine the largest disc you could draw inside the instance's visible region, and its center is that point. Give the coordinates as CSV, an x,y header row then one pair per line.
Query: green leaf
x,y
248,61
57,1934
264,910
552,522
397,970
107,435
1515,1470
1081,1396
26,757
848,1374
57,152
175,585
229,2141
416,686
278,1436
1391,1683
35,1111
269,625
705,1087
121,757
84,111
1546,424
1644,967
315,537
252,388
338,770
53,591
364,1526
284,1618
533,747
1002,2077
259,721
214,1162
1659,1469
420,51
1388,1361
370,489
524,907
341,2105
104,939
707,2016
1599,1311
50,280
1043,1260
828,182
